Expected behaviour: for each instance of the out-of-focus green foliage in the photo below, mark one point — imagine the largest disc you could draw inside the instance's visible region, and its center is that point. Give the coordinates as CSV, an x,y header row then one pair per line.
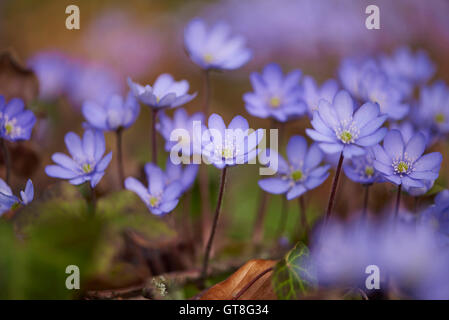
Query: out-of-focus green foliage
x,y
49,235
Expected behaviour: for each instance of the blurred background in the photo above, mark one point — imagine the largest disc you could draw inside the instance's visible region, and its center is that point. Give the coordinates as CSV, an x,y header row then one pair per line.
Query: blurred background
x,y
142,39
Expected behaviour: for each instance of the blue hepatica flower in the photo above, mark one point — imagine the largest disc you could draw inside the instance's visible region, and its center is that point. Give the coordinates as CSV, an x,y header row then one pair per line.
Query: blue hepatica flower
x,y
160,197
115,114
8,200
15,123
185,175
404,163
215,48
312,93
185,132
300,174
274,95
86,162
338,128
165,93
405,64
361,169
229,146
436,217
433,108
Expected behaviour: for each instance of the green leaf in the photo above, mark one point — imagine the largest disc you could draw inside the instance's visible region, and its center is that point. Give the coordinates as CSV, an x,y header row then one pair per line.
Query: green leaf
x,y
294,275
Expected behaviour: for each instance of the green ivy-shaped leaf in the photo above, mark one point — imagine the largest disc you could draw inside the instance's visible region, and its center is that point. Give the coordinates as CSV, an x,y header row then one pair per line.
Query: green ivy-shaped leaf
x,y
294,275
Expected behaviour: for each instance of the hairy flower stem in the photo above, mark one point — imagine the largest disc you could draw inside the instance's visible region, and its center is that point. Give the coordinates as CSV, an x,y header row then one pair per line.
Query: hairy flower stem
x,y
214,226
154,137
204,218
249,284
365,201
331,202
121,174
303,218
6,159
207,92
398,202
260,216
283,219
91,201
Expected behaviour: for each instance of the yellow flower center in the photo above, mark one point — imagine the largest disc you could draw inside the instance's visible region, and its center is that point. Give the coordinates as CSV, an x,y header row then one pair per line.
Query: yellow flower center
x,y
402,167
9,127
154,201
208,58
346,136
275,102
439,118
297,175
369,171
87,168
227,153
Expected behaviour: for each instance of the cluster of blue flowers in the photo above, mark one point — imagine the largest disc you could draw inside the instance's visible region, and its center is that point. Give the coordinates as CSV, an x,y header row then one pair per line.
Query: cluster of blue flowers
x,y
347,118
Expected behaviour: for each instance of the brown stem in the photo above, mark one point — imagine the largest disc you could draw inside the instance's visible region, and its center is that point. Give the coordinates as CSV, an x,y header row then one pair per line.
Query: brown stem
x,y
330,205
303,217
214,225
153,136
259,222
365,201
7,159
207,92
283,219
249,284
398,201
121,174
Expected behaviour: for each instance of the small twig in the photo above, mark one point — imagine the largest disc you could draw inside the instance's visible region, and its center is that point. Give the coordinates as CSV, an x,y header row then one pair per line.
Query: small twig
x,y
249,284
7,159
121,173
154,137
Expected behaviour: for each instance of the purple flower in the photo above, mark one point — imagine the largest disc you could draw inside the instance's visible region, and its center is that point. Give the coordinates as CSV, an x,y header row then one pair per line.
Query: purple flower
x,y
361,169
403,163
229,146
338,128
274,95
436,217
8,200
433,108
15,123
52,70
183,127
215,48
300,174
312,93
404,64
165,93
86,162
351,73
160,197
184,175
115,114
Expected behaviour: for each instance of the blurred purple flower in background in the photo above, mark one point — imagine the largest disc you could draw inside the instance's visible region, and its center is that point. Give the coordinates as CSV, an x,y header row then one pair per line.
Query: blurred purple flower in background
x,y
165,93
436,217
229,146
184,175
300,174
52,68
115,114
404,64
15,123
160,197
361,169
404,163
8,199
86,163
215,48
433,108
275,96
338,128
312,93
183,124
